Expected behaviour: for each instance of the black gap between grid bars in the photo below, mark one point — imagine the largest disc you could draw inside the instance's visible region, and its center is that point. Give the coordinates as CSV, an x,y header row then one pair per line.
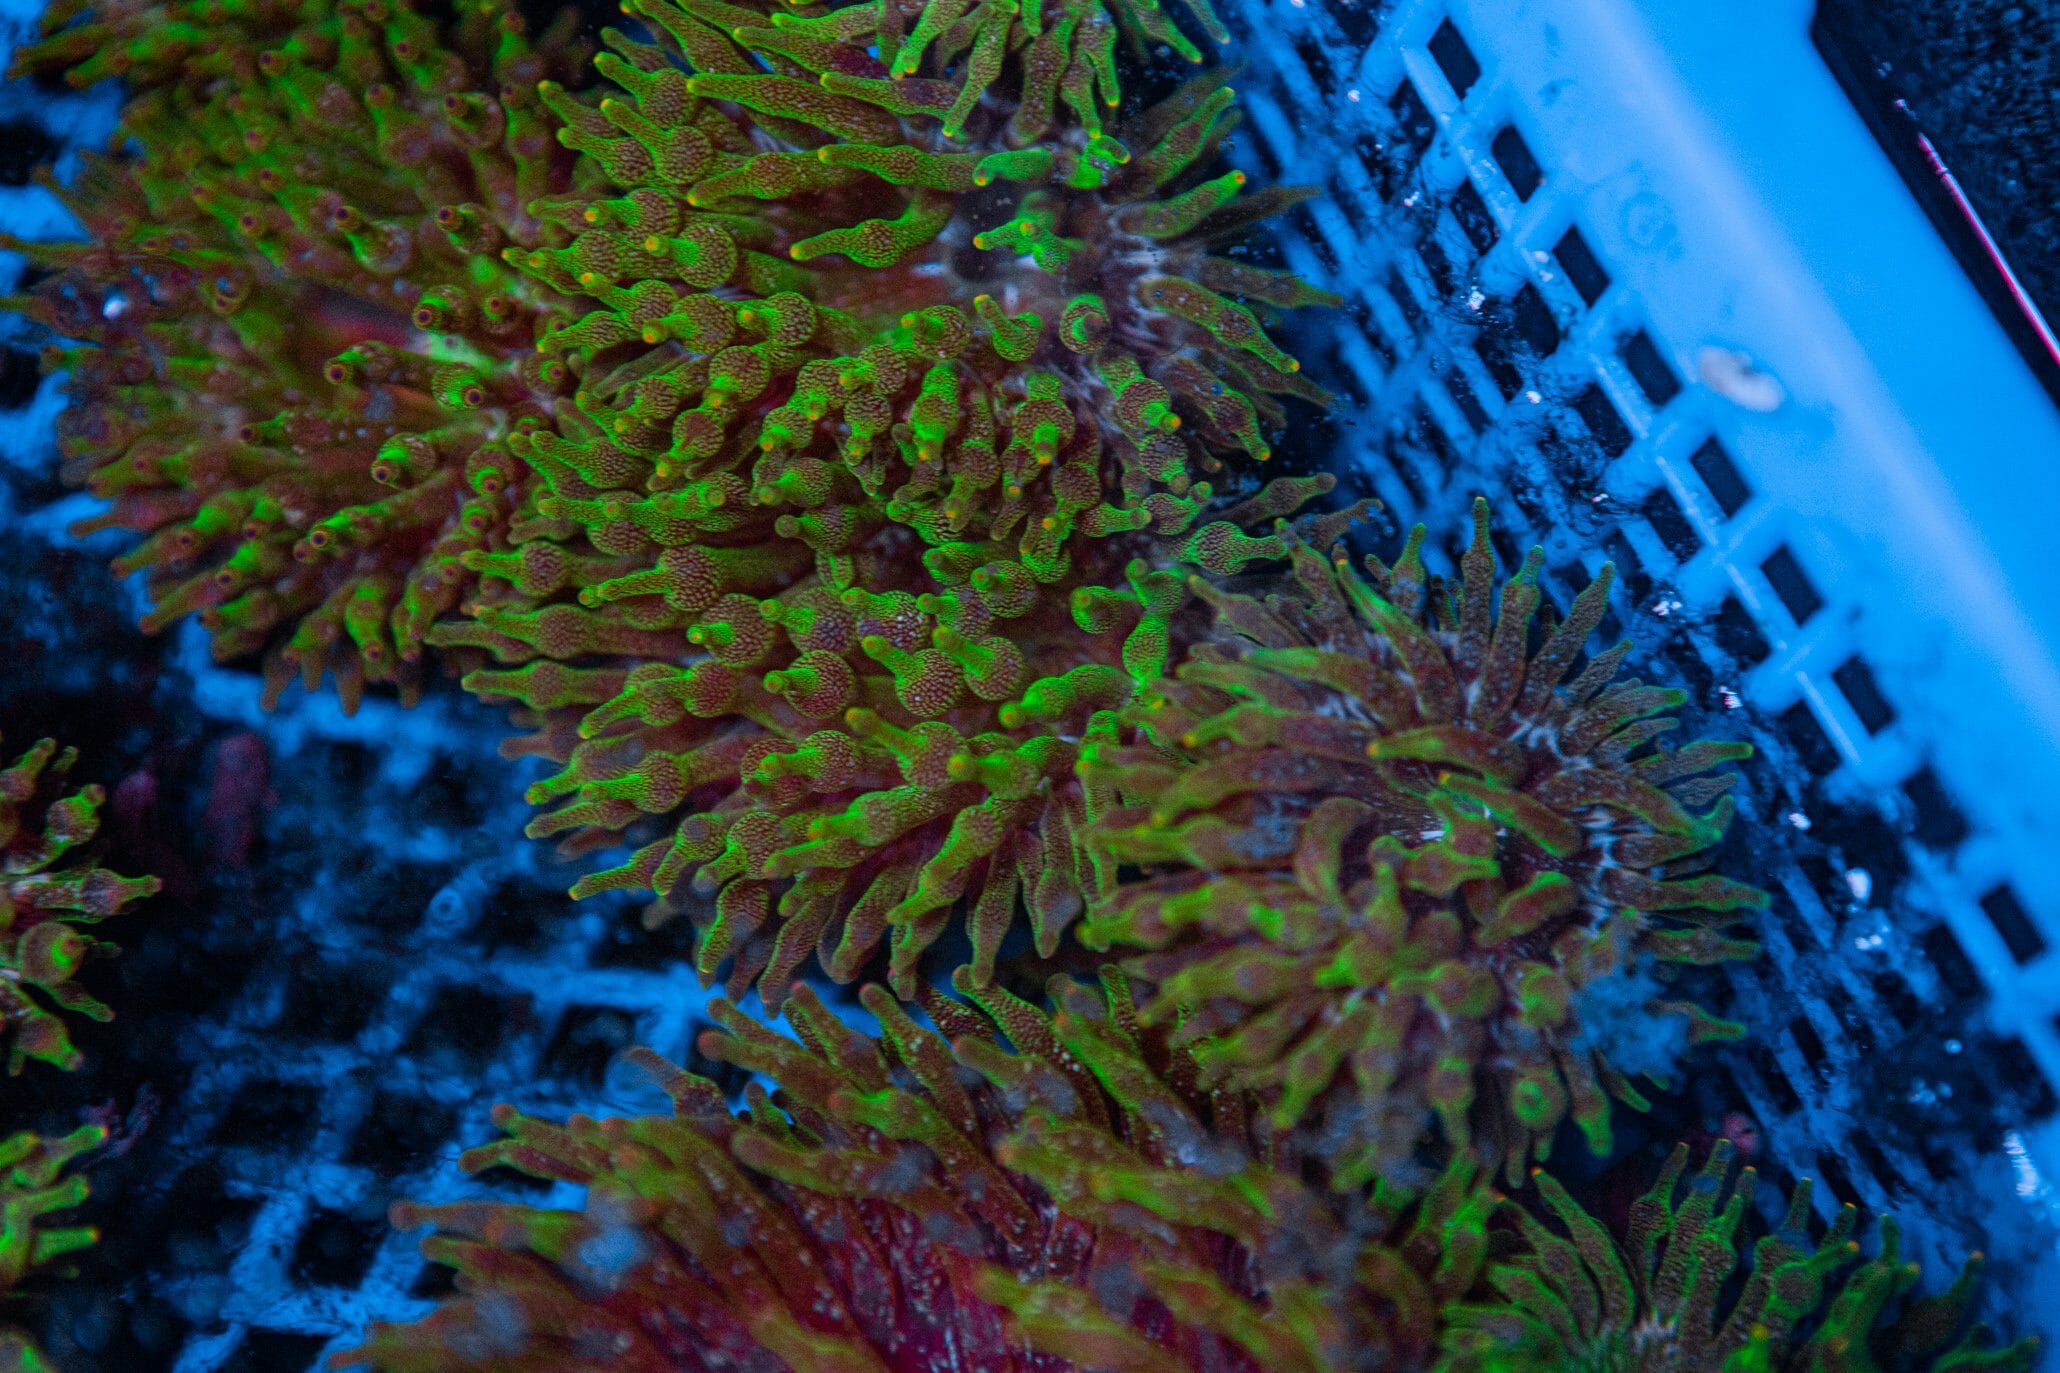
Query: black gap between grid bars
x,y
1792,585
1726,485
1513,156
1455,59
1642,359
2006,912
1579,263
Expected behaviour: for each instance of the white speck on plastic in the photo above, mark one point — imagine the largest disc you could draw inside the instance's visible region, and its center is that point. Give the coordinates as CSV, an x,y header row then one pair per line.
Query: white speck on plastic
x,y
1353,95
1476,300
1731,699
1860,883
1534,397
1797,819
1735,377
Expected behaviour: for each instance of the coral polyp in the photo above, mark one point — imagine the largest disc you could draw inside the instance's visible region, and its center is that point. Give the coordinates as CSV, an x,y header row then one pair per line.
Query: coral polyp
x,y
897,412
48,889
46,895
1677,1295
299,351
33,1186
907,1204
1392,857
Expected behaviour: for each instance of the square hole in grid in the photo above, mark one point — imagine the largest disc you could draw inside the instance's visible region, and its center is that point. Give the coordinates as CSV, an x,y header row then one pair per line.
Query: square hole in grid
x,y
1380,166
1629,566
24,145
1886,1175
1353,382
274,1351
330,1003
2020,1072
1361,315
1855,1020
1352,207
1358,21
1262,148
1685,656
2005,910
1956,971
1413,119
1468,403
523,916
402,1133
1813,747
1832,1169
1599,413
1474,218
1583,269
1737,635
1894,992
1311,232
1767,1067
465,1027
1513,156
1829,881
1811,1046
1454,58
1309,48
1649,369
1495,356
1937,822
21,376
1856,682
1435,440
206,1227
1801,930
336,1248
270,1115
1534,321
586,1041
1405,301
1664,514
1727,486
1437,264
627,942
1792,585
1401,459
1868,843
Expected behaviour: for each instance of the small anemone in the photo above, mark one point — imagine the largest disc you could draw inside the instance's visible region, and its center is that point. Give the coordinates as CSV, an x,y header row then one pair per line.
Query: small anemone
x,y
899,414
1677,1294
298,351
1388,841
913,1202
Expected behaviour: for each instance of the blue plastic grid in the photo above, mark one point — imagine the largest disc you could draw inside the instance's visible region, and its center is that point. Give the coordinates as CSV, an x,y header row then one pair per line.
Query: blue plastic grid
x,y
371,1046
1639,273
1701,230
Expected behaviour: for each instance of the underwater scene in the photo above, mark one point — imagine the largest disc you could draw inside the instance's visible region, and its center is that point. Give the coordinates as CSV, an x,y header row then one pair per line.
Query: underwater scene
x,y
1035,686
